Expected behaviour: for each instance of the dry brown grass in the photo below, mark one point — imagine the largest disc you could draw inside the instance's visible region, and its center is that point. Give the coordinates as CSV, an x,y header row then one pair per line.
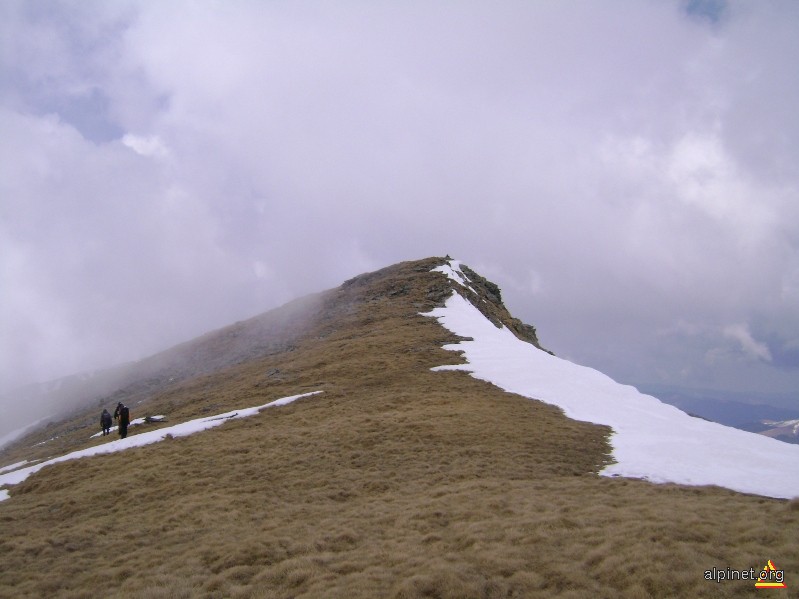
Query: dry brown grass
x,y
396,482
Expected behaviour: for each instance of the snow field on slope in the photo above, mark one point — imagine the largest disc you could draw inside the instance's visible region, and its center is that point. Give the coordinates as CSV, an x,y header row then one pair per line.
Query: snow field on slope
x,y
650,440
179,430
135,422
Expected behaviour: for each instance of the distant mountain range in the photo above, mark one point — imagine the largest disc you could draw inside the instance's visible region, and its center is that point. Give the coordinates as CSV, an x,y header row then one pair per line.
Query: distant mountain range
x,y
754,416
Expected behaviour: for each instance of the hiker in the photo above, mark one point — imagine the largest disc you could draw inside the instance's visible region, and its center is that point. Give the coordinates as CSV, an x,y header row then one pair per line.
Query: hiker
x,y
123,414
105,422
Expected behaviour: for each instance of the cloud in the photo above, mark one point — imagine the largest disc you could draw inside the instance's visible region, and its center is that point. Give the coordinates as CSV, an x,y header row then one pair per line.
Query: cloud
x,y
751,348
625,173
146,145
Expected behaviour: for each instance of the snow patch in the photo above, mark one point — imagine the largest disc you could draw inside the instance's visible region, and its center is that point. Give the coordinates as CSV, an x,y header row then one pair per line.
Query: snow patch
x,y
134,422
178,430
13,466
650,440
453,271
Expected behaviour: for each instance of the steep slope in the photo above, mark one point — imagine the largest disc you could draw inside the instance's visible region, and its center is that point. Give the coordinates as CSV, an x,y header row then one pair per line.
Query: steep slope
x,y
134,383
396,481
275,332
651,440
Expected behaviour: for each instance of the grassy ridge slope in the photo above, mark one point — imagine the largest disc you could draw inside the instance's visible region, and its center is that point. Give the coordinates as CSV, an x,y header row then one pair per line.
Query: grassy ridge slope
x,y
395,482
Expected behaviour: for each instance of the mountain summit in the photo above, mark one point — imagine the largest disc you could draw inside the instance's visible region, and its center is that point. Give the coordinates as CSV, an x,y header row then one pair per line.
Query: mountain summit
x,y
381,469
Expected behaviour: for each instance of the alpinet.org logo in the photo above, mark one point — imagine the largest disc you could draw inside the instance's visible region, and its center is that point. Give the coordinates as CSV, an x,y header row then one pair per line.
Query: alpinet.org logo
x,y
768,578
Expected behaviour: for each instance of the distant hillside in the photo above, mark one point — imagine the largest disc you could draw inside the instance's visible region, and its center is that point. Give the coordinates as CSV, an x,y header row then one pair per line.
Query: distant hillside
x,y
395,481
784,430
754,416
132,383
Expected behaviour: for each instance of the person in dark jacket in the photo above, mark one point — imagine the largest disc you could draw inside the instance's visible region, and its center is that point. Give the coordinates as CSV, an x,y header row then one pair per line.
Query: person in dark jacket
x,y
105,422
122,413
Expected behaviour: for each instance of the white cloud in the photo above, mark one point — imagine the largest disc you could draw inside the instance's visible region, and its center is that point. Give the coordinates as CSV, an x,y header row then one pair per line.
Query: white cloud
x,y
261,269
705,176
150,145
751,348
616,169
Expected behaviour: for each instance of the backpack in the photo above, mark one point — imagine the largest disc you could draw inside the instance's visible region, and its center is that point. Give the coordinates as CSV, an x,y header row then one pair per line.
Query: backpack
x,y
124,415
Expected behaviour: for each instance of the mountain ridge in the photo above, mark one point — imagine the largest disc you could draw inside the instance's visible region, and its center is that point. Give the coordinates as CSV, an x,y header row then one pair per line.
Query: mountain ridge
x,y
399,480
271,332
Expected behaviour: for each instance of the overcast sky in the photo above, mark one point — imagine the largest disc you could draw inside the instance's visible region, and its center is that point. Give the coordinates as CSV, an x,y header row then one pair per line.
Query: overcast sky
x,y
626,171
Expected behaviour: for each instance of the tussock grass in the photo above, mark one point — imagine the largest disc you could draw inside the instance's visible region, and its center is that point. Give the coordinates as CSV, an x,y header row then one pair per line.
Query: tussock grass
x,y
395,482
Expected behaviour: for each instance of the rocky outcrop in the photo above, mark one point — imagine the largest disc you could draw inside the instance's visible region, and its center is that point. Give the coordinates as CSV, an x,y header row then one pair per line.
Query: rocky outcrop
x,y
489,302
